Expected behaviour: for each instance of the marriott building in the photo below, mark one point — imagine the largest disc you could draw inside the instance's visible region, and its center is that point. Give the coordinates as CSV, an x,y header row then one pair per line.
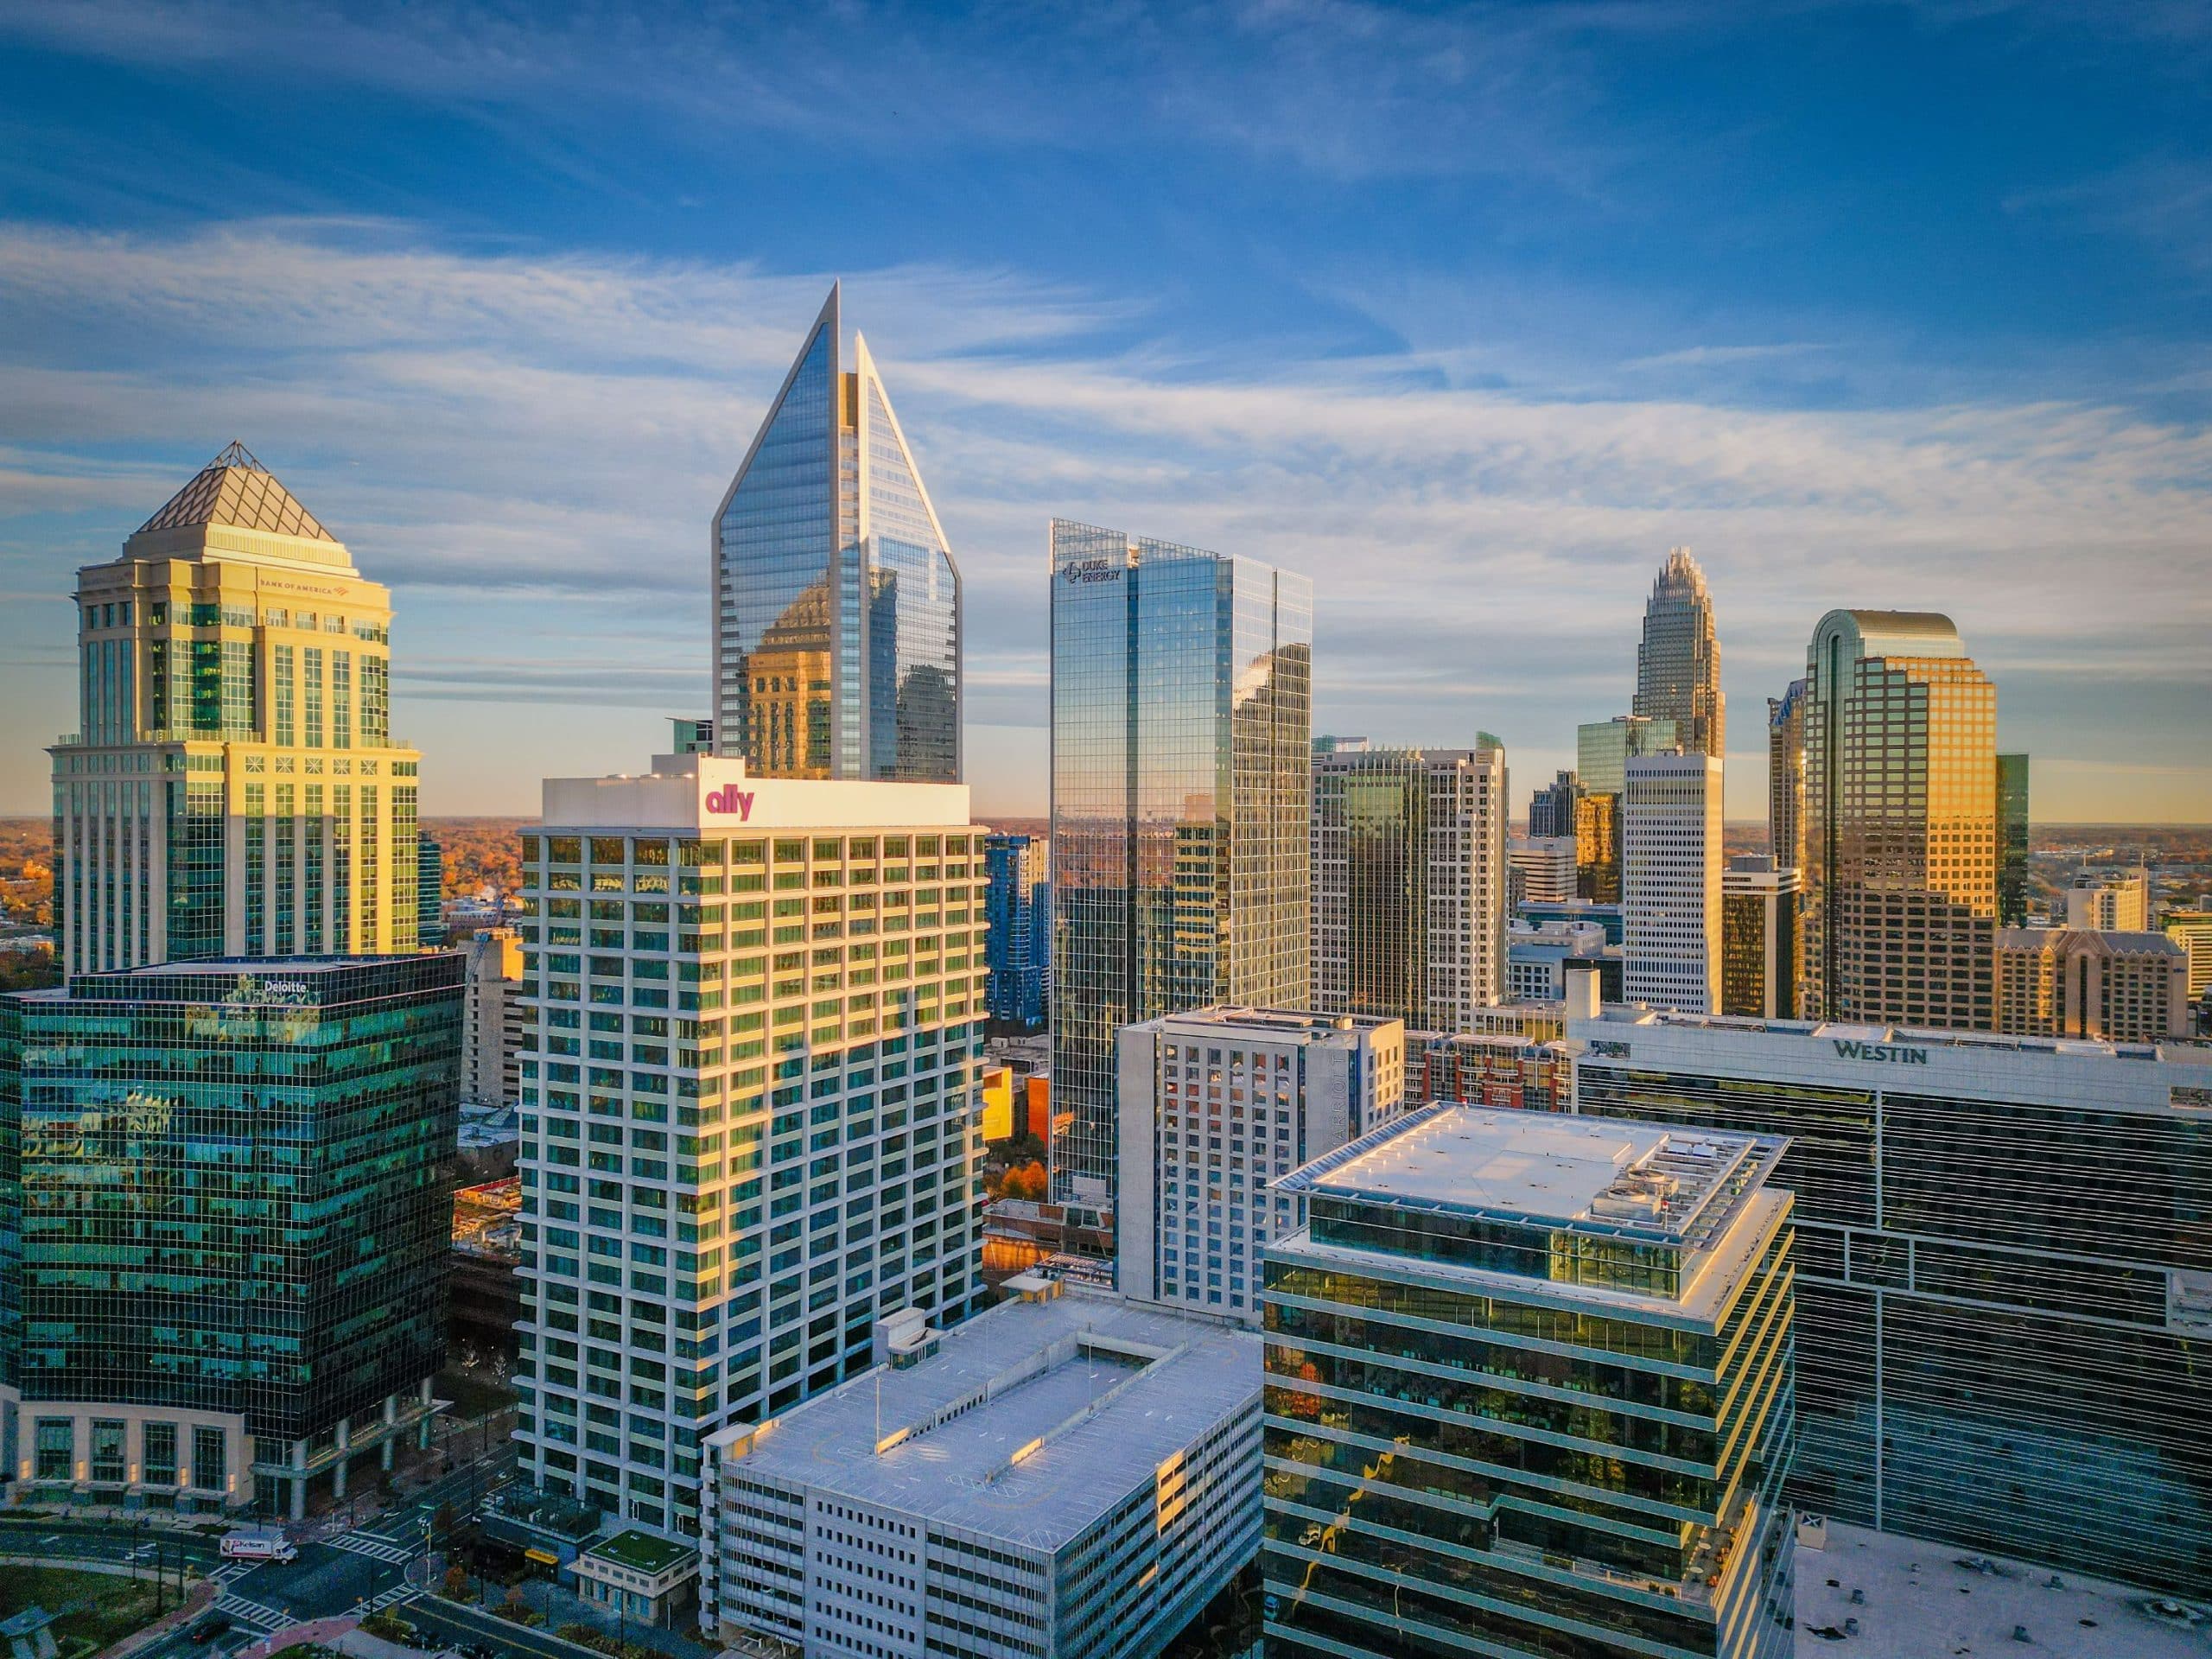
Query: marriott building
x,y
2003,1271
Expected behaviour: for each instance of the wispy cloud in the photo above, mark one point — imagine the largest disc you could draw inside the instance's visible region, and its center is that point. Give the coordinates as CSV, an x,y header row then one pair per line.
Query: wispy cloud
x,y
528,448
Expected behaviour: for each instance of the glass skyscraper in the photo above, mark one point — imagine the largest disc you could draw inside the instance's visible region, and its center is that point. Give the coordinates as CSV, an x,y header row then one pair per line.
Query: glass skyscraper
x,y
2003,1273
1603,749
1018,910
1182,725
1678,664
837,623
2012,840
1529,1387
233,788
1785,777
233,1206
1900,827
1409,883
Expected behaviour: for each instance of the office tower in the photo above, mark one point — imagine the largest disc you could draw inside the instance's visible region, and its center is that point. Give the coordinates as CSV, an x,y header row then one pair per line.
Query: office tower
x,y
429,895
1018,910
2192,930
1678,664
1540,870
1602,750
233,788
2124,987
1551,809
1538,955
1531,1374
493,1018
2109,901
1758,937
1182,728
1509,1071
1409,883
1066,1476
1214,1105
750,1106
2012,840
233,1199
2004,1282
1785,777
1900,906
1670,882
837,623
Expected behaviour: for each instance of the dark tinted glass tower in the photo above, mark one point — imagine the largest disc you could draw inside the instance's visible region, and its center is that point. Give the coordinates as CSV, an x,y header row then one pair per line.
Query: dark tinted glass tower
x,y
2012,840
1182,723
837,623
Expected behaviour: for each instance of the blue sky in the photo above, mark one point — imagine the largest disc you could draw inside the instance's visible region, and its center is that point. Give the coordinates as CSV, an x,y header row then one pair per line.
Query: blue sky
x,y
1469,313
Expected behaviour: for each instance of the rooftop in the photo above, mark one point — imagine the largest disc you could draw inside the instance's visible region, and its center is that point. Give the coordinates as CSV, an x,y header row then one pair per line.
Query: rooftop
x,y
1028,1423
236,489
1632,1017
705,794
1275,1022
641,1552
1916,1600
1589,1174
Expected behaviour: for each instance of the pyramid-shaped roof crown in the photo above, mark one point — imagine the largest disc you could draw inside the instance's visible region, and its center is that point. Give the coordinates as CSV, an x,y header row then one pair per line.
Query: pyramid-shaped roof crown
x,y
237,490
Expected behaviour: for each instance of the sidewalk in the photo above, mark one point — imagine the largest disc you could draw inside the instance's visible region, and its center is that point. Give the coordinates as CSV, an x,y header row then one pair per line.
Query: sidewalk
x,y
563,1606
324,1631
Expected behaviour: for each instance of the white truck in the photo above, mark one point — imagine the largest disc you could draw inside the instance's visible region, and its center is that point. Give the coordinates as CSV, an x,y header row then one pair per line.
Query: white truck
x,y
257,1546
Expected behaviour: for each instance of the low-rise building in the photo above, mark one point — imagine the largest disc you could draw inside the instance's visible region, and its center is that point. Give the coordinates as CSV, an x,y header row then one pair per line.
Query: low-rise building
x,y
1537,956
1070,1474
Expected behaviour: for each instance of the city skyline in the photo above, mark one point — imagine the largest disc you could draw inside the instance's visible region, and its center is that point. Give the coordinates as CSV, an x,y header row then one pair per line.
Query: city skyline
x,y
511,360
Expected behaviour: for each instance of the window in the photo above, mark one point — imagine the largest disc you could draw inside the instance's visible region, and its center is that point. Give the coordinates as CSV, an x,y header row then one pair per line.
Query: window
x,y
160,1454
210,1459
108,1463
57,1447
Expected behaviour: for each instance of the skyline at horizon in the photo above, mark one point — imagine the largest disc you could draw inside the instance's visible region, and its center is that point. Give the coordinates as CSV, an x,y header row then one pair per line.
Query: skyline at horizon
x,y
1441,312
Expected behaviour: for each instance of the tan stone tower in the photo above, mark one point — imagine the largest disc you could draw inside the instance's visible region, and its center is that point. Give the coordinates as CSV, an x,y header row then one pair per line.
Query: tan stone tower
x,y
233,788
1678,664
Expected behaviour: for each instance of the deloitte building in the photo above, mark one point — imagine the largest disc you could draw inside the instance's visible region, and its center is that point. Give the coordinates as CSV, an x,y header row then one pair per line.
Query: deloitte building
x,y
2003,1271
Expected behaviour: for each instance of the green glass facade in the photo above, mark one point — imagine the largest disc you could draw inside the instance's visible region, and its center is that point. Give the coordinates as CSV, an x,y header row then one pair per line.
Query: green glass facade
x,y
231,1186
1489,1431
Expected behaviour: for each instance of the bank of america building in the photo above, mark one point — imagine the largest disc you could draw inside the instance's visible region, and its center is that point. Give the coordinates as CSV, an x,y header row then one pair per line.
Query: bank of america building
x,y
2004,1272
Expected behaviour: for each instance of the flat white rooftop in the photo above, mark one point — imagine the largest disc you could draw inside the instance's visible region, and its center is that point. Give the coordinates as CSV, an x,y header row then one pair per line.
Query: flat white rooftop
x,y
704,794
1918,1603
1645,1179
1027,1424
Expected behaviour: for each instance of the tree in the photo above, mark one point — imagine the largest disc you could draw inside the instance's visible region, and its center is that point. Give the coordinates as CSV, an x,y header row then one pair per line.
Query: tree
x,y
456,1583
441,1527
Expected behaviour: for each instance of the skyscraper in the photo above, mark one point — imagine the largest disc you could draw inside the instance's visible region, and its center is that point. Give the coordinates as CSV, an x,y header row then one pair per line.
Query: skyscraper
x,y
1269,1088
1603,749
2100,984
1678,664
1671,882
1785,777
233,788
2109,901
1182,728
751,1129
1409,883
429,894
1018,910
234,1211
1758,939
837,618
2012,840
1900,908
1551,809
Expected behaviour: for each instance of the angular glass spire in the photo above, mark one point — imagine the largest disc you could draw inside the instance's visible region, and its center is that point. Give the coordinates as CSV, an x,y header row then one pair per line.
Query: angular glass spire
x,y
837,603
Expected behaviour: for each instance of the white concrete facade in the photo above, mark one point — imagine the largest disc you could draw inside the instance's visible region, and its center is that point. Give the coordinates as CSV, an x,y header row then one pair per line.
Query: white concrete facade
x,y
1670,882
751,1118
1214,1105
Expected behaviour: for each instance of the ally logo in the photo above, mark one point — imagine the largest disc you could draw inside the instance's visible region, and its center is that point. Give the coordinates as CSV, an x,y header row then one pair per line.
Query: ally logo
x,y
726,800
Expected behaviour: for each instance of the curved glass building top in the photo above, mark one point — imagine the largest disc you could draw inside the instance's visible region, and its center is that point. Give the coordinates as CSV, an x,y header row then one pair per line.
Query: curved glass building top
x,y
836,601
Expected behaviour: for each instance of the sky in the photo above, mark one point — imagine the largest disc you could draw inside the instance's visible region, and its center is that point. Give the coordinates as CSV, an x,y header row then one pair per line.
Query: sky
x,y
1469,313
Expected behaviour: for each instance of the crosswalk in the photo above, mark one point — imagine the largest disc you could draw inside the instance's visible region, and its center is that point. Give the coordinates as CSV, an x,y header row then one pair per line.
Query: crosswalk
x,y
368,1544
252,1615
